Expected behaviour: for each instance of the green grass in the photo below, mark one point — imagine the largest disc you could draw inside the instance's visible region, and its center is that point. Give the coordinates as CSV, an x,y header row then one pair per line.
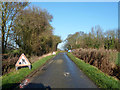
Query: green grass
x,y
12,78
118,59
101,79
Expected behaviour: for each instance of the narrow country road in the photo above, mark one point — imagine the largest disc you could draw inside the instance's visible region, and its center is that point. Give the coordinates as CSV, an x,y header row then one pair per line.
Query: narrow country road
x,y
60,72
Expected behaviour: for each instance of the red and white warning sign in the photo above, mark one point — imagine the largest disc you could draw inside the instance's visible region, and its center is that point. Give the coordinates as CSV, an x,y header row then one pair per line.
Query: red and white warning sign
x,y
24,83
23,61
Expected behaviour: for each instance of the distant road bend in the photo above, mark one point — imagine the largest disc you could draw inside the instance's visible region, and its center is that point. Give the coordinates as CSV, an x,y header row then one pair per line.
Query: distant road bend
x,y
60,72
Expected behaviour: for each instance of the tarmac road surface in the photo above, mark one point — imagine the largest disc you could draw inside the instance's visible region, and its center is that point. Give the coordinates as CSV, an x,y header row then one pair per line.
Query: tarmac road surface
x,y
60,72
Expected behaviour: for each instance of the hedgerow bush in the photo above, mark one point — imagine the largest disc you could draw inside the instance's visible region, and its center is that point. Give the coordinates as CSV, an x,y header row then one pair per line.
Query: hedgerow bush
x,y
105,60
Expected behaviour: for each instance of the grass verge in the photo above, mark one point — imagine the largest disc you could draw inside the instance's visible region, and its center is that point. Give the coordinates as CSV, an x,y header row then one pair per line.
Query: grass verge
x,y
101,79
118,59
9,80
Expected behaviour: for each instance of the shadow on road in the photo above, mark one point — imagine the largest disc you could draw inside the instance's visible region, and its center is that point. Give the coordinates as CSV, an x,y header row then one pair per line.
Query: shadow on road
x,y
16,86
37,86
10,86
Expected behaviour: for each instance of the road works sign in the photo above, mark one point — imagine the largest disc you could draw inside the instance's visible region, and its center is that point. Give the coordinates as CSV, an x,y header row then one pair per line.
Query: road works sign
x,y
23,61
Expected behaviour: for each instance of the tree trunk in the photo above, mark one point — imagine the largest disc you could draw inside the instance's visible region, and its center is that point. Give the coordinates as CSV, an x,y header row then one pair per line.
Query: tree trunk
x,y
3,39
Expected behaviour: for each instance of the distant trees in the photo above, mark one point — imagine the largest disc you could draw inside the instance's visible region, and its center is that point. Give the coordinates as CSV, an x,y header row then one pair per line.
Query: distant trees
x,y
94,39
27,29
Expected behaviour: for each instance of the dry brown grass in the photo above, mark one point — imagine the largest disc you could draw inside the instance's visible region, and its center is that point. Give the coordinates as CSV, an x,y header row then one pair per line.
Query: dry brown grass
x,y
101,58
8,64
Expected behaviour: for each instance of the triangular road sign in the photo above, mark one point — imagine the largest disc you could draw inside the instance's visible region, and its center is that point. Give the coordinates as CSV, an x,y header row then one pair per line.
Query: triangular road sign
x,y
23,61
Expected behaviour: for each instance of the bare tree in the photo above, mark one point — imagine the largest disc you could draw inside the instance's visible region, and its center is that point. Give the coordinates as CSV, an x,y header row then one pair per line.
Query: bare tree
x,y
9,13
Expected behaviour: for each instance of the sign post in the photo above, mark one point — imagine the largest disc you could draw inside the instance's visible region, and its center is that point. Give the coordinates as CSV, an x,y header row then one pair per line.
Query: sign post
x,y
23,61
